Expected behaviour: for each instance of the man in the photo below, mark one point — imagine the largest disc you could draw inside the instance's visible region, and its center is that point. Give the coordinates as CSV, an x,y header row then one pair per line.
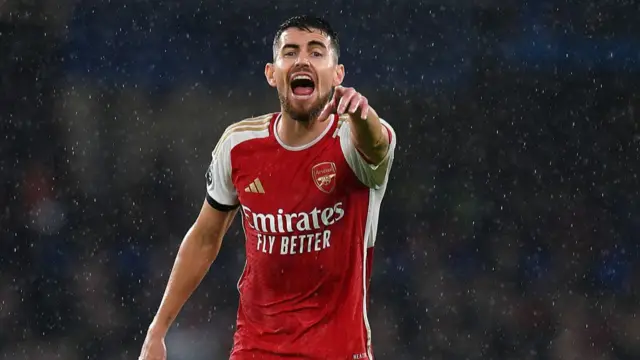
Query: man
x,y
308,182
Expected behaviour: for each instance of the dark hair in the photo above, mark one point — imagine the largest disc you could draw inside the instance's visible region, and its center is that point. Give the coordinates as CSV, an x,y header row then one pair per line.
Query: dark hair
x,y
308,23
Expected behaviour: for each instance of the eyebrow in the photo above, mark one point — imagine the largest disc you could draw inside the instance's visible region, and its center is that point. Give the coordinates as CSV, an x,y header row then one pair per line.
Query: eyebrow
x,y
310,43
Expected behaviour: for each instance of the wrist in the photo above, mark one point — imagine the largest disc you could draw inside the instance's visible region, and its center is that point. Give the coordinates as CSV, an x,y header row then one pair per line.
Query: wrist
x,y
156,328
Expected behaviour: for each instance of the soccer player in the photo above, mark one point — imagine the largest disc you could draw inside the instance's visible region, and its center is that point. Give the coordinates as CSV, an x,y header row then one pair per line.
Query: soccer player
x,y
308,182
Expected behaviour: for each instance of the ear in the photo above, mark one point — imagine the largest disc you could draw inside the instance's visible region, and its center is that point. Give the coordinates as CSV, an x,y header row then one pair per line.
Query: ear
x,y
269,74
339,75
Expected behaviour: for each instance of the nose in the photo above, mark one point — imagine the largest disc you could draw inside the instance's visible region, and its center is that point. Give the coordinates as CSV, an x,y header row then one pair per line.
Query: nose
x,y
302,60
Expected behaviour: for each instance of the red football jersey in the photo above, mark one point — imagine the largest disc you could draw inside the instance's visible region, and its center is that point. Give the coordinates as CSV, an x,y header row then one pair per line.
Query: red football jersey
x,y
310,216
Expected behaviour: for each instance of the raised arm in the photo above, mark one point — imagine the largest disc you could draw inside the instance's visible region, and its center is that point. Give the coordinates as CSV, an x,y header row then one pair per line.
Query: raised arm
x,y
368,143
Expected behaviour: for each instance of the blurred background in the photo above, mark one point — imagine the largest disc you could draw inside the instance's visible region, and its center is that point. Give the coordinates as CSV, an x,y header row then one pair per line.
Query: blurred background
x,y
511,223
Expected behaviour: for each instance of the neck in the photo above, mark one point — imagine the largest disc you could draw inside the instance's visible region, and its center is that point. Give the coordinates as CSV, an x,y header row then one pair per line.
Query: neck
x,y
296,133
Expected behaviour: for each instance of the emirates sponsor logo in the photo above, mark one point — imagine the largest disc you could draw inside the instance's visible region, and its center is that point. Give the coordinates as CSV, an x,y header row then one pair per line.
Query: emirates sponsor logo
x,y
281,222
293,233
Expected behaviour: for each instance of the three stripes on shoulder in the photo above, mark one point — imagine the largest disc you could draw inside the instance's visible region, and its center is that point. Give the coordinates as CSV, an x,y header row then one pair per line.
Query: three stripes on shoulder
x,y
252,124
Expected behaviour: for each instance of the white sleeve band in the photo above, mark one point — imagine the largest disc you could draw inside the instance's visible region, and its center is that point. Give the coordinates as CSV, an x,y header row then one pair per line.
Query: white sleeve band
x,y
219,184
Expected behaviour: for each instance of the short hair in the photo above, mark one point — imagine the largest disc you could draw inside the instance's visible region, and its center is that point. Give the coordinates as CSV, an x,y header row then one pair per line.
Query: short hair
x,y
308,23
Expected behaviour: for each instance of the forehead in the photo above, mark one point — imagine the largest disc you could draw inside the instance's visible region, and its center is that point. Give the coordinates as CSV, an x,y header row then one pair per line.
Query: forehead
x,y
301,37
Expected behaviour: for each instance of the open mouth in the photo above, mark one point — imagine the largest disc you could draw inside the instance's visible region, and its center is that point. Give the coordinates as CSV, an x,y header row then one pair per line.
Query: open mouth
x,y
302,85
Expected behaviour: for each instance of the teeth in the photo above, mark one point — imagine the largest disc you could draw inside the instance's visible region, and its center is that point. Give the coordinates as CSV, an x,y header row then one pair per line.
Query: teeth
x,y
302,77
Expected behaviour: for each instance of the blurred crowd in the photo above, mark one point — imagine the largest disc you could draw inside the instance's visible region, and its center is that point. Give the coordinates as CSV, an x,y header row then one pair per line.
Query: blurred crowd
x,y
510,226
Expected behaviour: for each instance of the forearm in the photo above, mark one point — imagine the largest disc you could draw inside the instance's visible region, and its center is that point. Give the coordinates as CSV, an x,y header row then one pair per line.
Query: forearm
x,y
194,258
370,137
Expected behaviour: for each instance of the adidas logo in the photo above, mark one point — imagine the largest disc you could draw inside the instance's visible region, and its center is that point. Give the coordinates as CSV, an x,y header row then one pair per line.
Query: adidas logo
x,y
255,187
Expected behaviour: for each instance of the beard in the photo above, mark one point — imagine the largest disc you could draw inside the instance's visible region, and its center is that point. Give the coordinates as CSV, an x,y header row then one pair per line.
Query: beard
x,y
304,115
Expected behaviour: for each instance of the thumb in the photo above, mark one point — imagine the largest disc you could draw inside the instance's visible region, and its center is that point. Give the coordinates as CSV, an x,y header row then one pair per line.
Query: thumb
x,y
326,111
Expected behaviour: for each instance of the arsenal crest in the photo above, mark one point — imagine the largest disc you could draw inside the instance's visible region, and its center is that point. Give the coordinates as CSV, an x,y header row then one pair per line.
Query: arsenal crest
x,y
209,176
324,175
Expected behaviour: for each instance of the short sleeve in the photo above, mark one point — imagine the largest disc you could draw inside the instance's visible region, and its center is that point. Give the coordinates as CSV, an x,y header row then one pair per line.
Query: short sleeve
x,y
372,175
221,194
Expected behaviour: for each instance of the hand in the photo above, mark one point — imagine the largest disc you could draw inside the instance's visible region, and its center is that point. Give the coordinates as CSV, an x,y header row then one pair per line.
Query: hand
x,y
153,348
346,100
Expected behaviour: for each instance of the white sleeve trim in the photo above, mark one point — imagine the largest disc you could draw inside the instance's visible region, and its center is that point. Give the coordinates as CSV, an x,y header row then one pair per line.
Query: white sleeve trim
x,y
372,175
220,186
219,183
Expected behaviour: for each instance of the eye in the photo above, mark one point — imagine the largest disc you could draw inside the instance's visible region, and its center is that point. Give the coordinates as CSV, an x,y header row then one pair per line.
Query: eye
x,y
289,54
317,54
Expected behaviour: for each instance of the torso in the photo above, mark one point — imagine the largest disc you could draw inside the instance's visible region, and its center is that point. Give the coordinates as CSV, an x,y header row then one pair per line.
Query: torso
x,y
305,215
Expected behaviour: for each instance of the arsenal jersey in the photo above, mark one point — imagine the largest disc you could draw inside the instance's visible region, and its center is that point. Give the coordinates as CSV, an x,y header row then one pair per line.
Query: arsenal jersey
x,y
310,215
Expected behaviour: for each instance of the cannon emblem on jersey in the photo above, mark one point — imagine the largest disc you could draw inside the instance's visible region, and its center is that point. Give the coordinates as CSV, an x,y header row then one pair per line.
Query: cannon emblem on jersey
x,y
324,176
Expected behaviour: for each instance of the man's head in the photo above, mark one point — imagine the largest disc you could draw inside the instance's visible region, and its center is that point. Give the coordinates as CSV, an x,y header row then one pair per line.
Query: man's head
x,y
305,66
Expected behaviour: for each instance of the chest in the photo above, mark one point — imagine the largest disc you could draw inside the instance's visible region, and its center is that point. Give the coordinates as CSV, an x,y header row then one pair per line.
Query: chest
x,y
275,178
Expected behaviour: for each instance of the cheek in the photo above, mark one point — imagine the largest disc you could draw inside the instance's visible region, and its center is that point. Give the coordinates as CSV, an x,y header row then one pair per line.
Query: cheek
x,y
327,80
281,82
281,71
281,78
326,75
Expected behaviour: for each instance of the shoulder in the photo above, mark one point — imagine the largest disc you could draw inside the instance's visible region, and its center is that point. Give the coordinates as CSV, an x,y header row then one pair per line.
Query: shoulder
x,y
244,130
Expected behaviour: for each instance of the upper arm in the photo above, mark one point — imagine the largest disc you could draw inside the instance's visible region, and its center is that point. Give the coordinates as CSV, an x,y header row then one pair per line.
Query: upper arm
x,y
221,201
209,229
372,175
212,223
